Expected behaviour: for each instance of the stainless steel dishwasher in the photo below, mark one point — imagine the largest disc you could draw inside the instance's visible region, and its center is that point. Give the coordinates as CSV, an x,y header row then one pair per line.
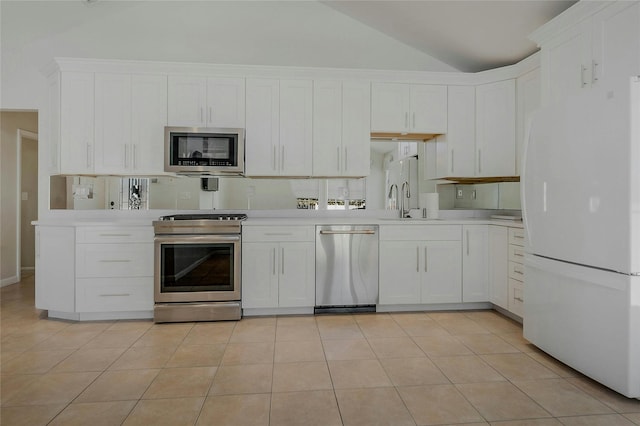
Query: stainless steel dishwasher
x,y
346,268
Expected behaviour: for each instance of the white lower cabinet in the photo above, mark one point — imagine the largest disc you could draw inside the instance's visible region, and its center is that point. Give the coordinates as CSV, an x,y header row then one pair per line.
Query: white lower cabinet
x,y
98,272
475,263
516,271
278,267
420,264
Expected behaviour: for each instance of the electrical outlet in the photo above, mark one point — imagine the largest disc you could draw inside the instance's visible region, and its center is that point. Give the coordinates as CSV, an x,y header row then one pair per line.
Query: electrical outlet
x,y
459,194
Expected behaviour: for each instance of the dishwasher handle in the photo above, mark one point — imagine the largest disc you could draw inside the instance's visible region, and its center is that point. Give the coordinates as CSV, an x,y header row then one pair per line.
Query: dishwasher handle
x,y
363,232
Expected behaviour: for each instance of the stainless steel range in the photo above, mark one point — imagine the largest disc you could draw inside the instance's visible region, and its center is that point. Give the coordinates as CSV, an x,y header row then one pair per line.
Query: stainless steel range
x,y
197,267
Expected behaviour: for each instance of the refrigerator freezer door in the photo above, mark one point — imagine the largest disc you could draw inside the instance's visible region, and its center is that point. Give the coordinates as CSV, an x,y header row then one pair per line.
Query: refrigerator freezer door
x,y
587,318
577,181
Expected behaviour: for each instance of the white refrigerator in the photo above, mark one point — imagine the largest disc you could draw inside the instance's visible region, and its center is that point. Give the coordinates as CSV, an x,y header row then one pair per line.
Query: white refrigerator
x,y
581,210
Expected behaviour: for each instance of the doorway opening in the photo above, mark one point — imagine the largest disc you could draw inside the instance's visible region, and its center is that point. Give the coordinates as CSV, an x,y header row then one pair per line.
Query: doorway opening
x,y
27,205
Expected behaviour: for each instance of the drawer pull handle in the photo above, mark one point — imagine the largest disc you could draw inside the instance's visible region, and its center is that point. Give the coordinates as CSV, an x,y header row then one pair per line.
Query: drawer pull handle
x,y
115,260
519,299
518,254
520,237
277,233
518,272
116,295
363,232
115,235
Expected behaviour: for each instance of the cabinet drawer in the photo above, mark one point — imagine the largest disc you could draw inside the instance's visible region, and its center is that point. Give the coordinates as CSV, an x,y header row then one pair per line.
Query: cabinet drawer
x,y
113,260
109,295
516,299
421,233
516,271
516,236
516,253
113,234
278,233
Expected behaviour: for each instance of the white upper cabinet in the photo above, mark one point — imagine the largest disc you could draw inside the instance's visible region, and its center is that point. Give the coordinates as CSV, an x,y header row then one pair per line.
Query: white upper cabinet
x,y
528,94
148,119
206,101
496,129
279,130
593,43
262,133
456,150
341,126
408,108
130,115
112,123
76,122
296,127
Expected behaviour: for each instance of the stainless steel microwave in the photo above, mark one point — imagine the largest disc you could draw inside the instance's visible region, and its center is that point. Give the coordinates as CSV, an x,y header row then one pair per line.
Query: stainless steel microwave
x,y
204,150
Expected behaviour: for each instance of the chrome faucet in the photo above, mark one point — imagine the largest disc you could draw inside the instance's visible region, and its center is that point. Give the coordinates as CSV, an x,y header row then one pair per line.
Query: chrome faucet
x,y
393,198
404,192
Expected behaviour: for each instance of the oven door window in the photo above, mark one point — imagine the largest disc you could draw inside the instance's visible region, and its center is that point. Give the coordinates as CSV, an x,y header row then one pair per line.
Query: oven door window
x,y
197,267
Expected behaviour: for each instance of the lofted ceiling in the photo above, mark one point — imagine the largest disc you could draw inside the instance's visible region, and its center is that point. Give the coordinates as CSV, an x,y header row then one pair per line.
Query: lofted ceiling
x,y
469,35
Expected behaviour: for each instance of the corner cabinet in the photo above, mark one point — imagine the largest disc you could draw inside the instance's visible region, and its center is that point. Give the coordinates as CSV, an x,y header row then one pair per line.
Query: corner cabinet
x,y
281,270
341,128
279,129
206,101
496,129
475,263
95,272
410,108
420,264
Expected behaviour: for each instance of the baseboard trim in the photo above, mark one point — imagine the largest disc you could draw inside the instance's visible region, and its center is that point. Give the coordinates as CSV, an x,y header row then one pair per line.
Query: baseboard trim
x,y
8,281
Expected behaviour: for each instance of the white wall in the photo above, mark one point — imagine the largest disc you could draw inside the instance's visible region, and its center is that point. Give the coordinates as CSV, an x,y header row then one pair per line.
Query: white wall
x,y
295,33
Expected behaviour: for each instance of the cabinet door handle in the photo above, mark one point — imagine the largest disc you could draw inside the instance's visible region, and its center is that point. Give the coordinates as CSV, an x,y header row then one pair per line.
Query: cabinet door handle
x,y
273,269
115,260
282,260
479,161
594,74
88,155
417,258
201,115
414,120
116,295
425,259
338,162
452,152
115,235
583,81
467,242
278,233
273,159
210,115
406,119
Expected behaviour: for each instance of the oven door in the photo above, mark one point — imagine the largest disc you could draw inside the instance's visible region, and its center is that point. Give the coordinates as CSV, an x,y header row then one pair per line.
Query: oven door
x,y
197,268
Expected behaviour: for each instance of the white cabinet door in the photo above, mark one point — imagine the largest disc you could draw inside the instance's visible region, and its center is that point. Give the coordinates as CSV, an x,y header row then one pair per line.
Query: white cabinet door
x,y
496,128
441,262
616,45
428,108
356,129
456,156
297,274
260,275
187,101
327,128
389,107
55,274
77,122
528,94
112,123
475,263
400,272
296,128
498,265
149,117
225,102
566,62
262,157
341,128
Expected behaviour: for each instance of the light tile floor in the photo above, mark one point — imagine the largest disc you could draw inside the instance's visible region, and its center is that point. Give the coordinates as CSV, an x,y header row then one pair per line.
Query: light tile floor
x,y
470,368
